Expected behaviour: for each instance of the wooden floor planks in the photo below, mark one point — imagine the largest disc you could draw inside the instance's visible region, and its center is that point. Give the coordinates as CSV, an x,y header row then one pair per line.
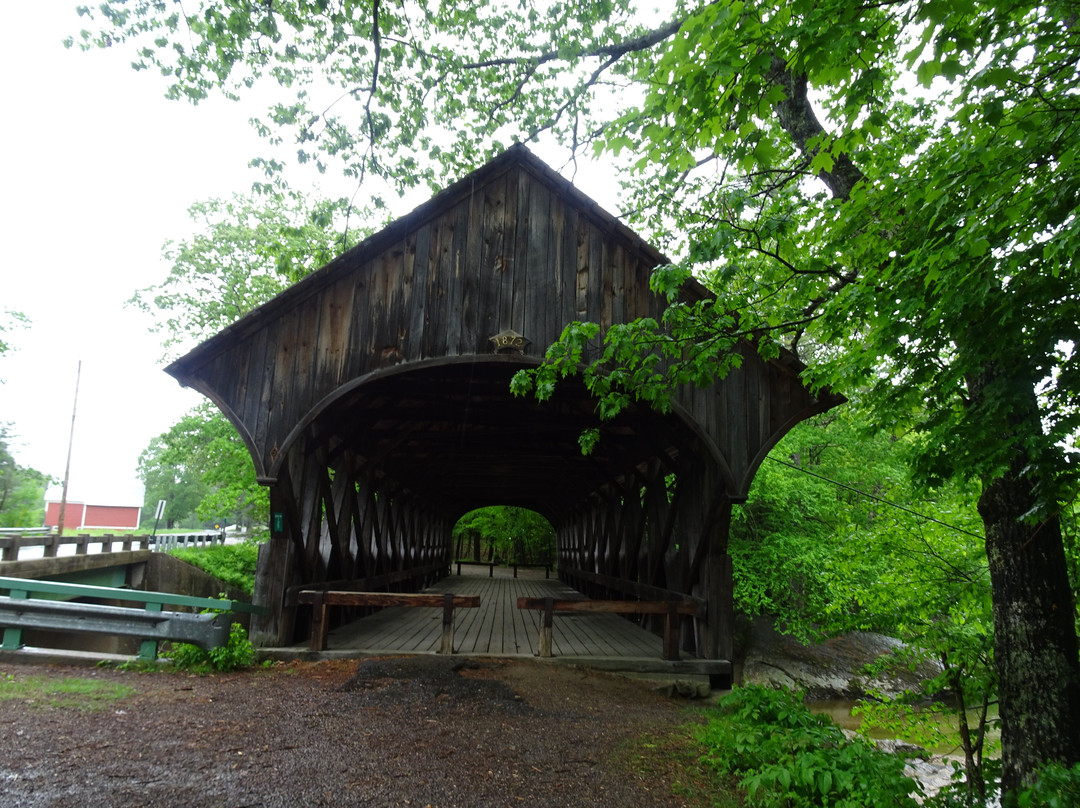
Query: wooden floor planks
x,y
498,627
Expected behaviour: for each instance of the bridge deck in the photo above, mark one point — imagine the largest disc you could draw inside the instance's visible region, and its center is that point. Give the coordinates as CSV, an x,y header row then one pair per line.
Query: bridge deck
x,y
498,627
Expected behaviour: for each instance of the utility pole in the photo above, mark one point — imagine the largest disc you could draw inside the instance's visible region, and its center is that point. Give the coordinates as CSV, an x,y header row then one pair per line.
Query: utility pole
x,y
67,468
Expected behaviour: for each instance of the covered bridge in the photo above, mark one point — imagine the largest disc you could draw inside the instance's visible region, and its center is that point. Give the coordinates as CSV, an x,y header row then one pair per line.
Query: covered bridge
x,y
374,398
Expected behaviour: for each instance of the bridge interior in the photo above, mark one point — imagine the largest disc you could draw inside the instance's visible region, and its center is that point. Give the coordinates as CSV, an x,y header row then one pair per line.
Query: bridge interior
x,y
499,628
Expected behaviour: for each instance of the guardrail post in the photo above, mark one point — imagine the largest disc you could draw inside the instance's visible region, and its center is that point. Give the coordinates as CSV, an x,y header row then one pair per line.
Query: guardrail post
x,y
446,643
13,634
148,649
546,625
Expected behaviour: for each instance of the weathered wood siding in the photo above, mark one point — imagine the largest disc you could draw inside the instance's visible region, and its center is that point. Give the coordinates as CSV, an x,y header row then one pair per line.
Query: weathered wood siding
x,y
508,249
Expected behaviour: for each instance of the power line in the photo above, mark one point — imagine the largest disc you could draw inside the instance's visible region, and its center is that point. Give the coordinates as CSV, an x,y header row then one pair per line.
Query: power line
x,y
877,498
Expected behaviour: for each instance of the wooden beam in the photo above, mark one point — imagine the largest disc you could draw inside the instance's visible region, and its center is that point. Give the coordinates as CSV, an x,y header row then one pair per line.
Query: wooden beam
x,y
322,600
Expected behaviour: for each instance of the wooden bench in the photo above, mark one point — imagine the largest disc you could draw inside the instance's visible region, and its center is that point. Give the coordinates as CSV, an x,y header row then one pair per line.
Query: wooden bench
x,y
671,609
322,600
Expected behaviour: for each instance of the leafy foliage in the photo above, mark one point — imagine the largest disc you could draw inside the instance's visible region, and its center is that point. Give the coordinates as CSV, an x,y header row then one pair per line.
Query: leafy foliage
x,y
836,538
246,250
1056,787
201,464
512,534
237,654
233,564
9,321
22,490
786,756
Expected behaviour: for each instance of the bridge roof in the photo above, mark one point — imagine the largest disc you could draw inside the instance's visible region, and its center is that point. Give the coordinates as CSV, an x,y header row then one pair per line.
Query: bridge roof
x,y
384,358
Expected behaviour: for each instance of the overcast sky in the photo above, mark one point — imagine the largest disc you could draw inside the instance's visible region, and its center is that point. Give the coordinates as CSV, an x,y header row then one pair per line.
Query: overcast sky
x,y
98,171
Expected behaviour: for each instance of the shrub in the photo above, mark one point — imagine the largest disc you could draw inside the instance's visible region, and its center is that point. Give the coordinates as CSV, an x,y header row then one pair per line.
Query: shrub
x,y
1057,787
233,564
236,654
787,757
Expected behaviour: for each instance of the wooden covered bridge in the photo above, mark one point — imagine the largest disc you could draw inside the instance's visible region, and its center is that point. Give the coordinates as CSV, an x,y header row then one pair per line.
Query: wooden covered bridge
x,y
374,398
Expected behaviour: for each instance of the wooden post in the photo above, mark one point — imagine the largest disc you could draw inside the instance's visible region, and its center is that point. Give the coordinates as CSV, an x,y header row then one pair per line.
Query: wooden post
x,y
671,632
546,624
320,623
273,574
446,643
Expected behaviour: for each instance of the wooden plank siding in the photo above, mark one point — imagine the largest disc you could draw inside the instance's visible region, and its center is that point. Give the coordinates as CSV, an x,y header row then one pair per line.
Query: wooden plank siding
x,y
377,409
511,253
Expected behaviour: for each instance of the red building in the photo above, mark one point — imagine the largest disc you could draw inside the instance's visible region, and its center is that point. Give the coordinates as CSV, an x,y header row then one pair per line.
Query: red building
x,y
79,515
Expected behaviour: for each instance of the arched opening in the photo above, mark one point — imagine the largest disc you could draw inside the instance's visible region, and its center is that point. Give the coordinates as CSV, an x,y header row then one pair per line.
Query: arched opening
x,y
505,535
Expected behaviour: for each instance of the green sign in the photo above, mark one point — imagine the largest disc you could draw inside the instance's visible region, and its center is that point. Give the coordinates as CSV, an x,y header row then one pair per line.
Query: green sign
x,y
279,523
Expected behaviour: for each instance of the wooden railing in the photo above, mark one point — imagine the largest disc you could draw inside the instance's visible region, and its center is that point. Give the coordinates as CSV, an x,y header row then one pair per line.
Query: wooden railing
x,y
671,609
19,610
10,545
491,565
321,601
411,578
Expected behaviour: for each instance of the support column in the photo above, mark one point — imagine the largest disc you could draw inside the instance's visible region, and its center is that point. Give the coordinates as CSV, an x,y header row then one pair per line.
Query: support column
x,y
274,573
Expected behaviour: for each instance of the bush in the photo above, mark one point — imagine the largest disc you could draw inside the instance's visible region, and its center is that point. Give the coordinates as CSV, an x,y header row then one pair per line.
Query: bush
x,y
236,654
1057,787
787,757
233,564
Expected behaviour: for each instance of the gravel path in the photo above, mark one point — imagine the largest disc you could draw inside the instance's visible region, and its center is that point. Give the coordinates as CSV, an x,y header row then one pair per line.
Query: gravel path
x,y
420,731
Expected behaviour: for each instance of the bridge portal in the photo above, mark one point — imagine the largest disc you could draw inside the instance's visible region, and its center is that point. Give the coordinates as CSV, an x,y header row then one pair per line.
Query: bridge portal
x,y
374,398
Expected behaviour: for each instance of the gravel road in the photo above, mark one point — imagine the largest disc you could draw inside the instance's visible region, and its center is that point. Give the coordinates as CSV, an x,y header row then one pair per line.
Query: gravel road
x,y
432,731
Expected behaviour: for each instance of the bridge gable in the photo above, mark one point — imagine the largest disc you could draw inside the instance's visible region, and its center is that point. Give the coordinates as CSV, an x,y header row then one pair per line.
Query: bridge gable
x,y
512,247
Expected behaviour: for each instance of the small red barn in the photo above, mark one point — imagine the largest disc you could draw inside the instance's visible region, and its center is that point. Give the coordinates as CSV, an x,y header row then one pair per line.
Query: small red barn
x,y
79,515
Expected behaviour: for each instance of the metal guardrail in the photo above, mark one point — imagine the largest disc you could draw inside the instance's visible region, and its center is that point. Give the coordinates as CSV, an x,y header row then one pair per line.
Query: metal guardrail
x,y
19,611
175,541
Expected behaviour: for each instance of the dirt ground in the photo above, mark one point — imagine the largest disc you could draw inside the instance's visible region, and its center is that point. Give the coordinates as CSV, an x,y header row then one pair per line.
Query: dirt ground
x,y
420,731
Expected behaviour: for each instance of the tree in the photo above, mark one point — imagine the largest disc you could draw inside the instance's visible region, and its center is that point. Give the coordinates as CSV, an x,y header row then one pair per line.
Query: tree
x,y
10,320
22,490
246,251
925,231
513,534
167,472
835,538
201,466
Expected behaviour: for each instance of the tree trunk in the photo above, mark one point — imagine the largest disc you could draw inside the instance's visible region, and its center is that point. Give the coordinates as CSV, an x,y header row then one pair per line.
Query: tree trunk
x,y
1035,650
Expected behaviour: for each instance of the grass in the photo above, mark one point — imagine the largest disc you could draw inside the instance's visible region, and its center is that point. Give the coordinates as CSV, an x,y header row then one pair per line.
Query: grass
x,y
673,760
64,693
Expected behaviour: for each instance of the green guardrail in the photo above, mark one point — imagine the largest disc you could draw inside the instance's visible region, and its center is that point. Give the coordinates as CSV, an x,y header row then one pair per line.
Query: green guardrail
x,y
24,588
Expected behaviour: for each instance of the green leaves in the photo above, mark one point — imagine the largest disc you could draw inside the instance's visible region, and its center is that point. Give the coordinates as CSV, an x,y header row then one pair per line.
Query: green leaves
x,y
249,250
786,756
202,468
515,535
22,490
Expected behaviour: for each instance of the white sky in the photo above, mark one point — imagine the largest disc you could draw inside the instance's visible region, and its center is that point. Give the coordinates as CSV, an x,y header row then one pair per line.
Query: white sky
x,y
98,171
